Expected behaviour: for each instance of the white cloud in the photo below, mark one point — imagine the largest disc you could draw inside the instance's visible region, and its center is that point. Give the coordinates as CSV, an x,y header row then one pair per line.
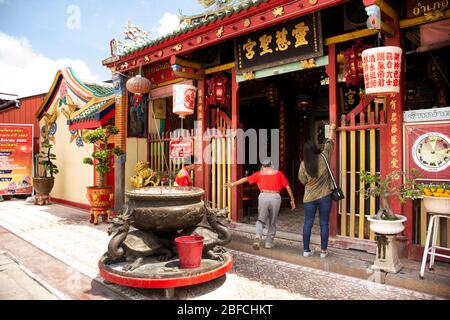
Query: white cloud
x,y
25,72
168,23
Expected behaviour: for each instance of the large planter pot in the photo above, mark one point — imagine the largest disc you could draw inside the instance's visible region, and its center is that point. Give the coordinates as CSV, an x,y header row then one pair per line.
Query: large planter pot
x,y
100,200
165,209
437,204
43,185
387,227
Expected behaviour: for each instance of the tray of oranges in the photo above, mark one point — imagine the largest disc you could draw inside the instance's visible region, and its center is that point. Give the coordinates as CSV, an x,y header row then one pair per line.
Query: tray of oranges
x,y
436,190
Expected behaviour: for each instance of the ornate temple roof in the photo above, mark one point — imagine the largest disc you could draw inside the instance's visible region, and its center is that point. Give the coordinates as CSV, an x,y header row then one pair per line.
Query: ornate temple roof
x,y
190,23
205,30
87,106
92,111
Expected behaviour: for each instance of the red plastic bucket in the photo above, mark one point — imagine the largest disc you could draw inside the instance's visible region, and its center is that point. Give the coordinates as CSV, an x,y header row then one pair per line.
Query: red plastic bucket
x,y
190,251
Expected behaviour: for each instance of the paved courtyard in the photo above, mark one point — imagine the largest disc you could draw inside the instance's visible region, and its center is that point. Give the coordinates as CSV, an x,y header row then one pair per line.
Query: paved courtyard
x,y
64,233
17,283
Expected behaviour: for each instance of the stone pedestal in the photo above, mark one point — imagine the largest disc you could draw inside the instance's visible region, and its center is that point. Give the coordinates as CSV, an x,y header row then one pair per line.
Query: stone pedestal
x,y
387,257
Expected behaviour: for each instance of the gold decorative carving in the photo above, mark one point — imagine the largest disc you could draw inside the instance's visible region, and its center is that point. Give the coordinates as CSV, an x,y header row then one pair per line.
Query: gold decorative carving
x,y
249,75
50,119
220,32
278,12
199,39
313,2
177,47
247,23
309,63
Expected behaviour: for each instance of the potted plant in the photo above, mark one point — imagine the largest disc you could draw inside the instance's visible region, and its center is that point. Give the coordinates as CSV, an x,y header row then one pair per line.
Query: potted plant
x,y
100,196
385,221
386,224
43,184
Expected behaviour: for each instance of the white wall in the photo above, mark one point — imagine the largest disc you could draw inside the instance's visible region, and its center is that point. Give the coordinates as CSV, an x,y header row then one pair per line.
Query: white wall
x,y
73,176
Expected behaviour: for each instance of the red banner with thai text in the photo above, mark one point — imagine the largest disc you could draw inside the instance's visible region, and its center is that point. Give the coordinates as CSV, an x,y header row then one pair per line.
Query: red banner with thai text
x,y
16,159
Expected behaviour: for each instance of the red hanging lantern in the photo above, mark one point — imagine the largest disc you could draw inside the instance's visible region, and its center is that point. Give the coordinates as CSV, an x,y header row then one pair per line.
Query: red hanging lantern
x,y
218,90
139,85
353,65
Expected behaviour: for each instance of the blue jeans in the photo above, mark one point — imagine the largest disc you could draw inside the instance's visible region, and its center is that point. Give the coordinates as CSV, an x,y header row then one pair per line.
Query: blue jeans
x,y
324,205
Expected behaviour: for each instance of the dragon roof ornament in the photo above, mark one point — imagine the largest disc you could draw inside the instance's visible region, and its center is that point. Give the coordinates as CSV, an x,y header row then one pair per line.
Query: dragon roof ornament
x,y
135,36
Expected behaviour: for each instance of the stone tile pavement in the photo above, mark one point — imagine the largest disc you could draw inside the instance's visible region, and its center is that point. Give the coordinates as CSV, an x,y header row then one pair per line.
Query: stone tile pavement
x,y
17,283
65,233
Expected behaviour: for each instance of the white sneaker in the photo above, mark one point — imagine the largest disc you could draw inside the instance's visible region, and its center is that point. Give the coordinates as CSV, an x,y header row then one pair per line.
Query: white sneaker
x,y
269,245
323,255
308,253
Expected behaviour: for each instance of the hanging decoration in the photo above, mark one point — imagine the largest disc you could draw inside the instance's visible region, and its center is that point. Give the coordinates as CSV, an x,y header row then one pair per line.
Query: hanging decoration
x,y
272,94
218,92
180,148
304,102
139,86
184,99
353,65
138,116
382,68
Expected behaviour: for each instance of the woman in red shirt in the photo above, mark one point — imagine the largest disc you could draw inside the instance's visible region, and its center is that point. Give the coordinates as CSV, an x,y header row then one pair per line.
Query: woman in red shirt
x,y
270,182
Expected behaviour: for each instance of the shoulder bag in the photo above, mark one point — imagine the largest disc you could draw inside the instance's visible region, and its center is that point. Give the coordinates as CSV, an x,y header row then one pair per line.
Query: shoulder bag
x,y
336,192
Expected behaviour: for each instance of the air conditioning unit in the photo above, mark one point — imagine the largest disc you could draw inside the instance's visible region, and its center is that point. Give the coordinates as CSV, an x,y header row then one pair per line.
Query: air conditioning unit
x,y
355,16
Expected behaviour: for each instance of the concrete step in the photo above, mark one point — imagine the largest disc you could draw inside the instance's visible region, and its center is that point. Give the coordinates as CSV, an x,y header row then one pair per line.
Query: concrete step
x,y
348,262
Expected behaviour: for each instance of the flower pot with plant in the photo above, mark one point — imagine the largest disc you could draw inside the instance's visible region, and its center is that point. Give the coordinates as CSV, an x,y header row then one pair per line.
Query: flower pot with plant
x,y
43,184
385,223
100,196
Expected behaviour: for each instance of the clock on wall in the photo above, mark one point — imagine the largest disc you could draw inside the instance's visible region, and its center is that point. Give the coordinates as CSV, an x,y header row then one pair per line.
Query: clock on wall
x,y
427,149
431,152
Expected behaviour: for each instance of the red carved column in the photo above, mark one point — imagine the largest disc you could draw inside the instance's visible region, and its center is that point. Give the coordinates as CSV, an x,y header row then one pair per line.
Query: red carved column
x,y
334,116
199,143
394,110
236,194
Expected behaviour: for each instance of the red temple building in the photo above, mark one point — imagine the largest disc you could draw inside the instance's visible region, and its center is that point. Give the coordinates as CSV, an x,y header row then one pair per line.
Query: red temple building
x,y
295,66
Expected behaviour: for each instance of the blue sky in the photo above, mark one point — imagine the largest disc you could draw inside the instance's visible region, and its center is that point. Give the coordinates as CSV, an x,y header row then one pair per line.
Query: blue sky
x,y
42,25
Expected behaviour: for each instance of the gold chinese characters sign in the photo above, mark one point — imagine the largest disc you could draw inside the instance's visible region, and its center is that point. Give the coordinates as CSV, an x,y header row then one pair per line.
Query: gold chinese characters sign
x,y
296,40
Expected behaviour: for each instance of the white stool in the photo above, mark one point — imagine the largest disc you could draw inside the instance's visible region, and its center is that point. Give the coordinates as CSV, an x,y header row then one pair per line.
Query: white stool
x,y
431,250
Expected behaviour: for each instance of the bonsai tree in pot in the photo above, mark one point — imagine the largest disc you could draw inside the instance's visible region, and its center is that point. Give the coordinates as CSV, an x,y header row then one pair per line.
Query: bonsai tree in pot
x,y
386,224
100,196
384,188
43,184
